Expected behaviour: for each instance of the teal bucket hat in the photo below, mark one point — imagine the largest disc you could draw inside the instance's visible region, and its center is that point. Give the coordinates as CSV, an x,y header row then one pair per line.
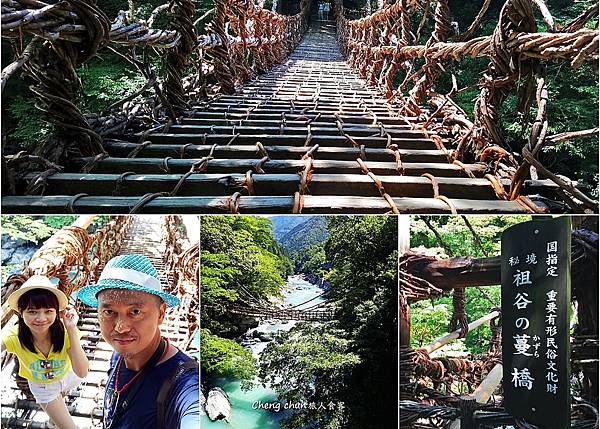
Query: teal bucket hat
x,y
133,272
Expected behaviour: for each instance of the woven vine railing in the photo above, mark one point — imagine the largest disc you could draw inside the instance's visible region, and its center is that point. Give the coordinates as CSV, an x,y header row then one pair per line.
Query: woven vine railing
x,y
181,260
50,41
384,48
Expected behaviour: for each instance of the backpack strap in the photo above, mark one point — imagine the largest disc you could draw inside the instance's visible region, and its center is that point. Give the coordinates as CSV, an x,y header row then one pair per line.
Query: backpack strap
x,y
120,408
167,387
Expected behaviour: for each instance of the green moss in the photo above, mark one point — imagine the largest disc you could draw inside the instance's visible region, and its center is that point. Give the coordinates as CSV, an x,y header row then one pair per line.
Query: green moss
x,y
106,80
29,130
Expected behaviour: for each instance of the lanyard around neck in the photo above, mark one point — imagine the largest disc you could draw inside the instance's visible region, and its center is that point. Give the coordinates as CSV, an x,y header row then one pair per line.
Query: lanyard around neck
x,y
119,407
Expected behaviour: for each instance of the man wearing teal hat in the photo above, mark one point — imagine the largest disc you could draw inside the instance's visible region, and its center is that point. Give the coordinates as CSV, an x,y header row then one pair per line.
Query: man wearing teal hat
x,y
151,383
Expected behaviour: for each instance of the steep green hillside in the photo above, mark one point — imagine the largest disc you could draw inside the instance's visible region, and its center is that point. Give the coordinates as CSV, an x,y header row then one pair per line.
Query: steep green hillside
x,y
311,231
284,224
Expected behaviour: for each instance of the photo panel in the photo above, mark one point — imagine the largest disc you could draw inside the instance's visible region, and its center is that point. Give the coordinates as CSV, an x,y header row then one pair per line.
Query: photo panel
x,y
498,321
300,106
299,322
105,310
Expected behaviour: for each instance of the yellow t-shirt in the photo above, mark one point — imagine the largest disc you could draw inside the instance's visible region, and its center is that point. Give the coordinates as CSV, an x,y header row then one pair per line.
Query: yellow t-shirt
x,y
32,366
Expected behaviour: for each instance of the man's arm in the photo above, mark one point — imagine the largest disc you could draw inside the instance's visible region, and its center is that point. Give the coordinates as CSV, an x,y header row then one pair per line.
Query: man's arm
x,y
183,410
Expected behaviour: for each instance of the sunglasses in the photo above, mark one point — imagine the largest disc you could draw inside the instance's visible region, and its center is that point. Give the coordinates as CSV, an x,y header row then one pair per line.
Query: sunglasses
x,y
46,364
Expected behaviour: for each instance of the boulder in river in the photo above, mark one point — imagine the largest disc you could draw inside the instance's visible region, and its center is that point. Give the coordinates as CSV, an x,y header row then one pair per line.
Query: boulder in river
x,y
217,405
202,401
262,335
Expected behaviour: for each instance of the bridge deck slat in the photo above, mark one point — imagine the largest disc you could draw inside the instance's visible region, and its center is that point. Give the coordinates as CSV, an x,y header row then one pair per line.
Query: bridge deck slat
x,y
283,132
298,140
122,149
283,166
208,184
255,205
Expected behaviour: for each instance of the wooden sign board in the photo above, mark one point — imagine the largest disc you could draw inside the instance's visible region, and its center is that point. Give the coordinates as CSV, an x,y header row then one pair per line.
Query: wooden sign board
x,y
536,295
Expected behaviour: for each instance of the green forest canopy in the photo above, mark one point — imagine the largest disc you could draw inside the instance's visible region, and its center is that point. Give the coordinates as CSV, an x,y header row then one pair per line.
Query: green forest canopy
x,y
241,261
304,244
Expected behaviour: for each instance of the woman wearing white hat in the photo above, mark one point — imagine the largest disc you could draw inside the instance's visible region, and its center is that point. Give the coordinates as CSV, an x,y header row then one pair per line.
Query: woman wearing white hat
x,y
48,348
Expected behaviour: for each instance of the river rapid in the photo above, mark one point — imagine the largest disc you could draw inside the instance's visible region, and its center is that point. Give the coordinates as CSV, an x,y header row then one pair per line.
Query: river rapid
x,y
244,413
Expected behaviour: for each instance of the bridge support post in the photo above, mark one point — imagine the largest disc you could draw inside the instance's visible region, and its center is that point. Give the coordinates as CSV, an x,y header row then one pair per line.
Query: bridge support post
x,y
223,69
468,407
404,310
178,58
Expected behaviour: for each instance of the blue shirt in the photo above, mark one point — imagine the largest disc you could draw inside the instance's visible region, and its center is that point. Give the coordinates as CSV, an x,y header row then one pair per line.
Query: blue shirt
x,y
182,405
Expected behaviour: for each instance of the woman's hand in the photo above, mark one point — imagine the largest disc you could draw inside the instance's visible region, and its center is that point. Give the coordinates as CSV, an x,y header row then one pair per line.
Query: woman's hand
x,y
79,361
69,317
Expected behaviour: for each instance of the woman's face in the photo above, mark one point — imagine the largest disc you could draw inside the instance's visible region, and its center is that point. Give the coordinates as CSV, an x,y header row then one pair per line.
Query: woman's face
x,y
39,320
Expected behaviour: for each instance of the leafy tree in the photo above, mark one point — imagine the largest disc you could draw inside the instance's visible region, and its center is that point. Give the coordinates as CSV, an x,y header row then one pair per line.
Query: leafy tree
x,y
311,363
216,275
456,234
224,357
312,261
27,133
428,321
107,79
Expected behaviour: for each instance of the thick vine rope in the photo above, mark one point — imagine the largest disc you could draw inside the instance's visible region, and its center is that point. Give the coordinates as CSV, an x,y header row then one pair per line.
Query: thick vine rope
x,y
383,46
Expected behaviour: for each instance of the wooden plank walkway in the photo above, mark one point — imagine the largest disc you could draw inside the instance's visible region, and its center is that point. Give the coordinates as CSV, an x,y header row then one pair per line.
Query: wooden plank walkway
x,y
308,136
146,235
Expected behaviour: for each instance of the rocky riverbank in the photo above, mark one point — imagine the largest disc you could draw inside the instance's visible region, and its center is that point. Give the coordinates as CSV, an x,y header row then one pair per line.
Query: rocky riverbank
x,y
315,280
15,252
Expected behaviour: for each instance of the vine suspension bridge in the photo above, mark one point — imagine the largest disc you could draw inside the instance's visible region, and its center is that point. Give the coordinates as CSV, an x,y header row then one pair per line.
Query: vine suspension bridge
x,y
320,312
349,122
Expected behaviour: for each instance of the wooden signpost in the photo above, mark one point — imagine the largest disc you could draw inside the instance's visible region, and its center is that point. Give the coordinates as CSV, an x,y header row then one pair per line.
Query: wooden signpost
x,y
536,294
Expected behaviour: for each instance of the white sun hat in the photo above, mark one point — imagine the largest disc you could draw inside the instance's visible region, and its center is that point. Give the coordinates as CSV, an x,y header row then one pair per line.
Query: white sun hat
x,y
37,282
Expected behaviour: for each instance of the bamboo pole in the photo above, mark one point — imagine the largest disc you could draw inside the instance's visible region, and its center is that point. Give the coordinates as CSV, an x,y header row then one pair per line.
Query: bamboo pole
x,y
442,341
484,391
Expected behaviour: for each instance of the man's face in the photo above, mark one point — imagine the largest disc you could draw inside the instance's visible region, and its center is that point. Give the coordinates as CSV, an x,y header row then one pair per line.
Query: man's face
x,y
129,319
